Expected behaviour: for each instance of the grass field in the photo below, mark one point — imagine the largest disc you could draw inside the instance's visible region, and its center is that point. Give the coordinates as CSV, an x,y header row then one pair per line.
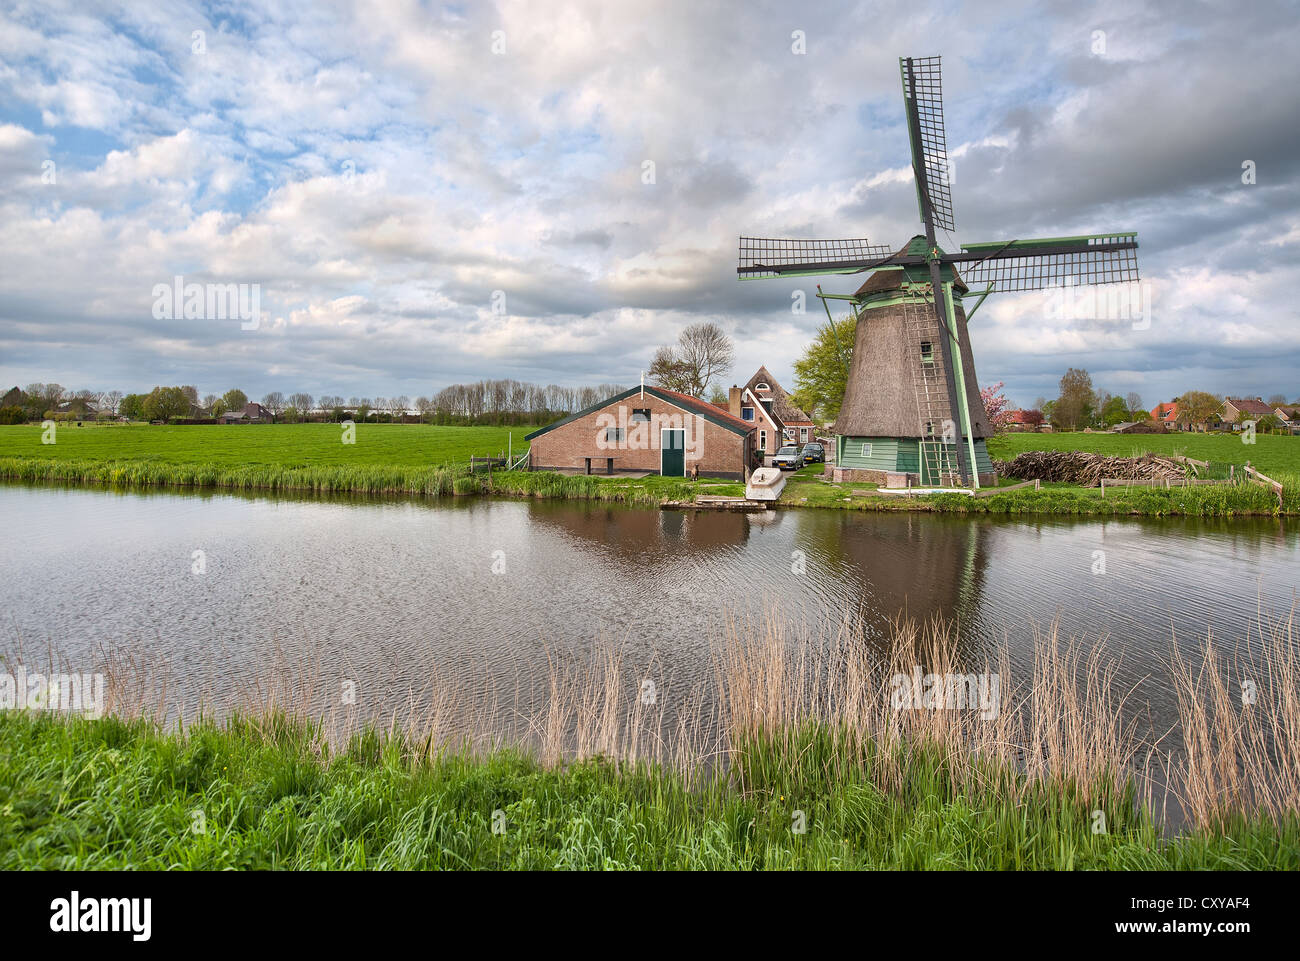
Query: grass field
x,y
264,445
1270,453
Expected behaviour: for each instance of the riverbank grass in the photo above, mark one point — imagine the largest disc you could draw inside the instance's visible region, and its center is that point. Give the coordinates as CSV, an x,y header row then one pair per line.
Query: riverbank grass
x,y
269,793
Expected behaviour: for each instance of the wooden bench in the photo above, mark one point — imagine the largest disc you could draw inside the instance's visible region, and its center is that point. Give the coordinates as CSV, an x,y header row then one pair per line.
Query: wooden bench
x,y
609,463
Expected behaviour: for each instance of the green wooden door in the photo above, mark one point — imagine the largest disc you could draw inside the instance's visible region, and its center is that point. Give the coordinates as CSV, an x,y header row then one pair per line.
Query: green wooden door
x,y
672,453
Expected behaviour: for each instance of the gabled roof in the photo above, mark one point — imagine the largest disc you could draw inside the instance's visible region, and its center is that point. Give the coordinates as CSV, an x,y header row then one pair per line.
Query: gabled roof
x,y
1249,405
684,401
772,417
782,405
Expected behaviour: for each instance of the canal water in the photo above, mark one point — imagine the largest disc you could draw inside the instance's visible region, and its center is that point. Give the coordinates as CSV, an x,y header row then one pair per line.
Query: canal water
x,y
212,588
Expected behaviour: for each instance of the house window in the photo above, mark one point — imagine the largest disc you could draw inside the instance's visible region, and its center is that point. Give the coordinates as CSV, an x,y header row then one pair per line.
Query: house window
x,y
788,433
640,415
761,387
927,353
803,433
762,440
746,413
613,435
866,450
767,404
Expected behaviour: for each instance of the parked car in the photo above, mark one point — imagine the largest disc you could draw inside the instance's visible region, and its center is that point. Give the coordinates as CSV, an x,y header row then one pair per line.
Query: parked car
x,y
812,454
787,458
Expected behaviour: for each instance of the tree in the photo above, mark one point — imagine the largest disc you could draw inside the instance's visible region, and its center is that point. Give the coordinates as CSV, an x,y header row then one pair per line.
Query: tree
x,y
1074,406
1277,400
1197,408
718,397
274,402
1114,411
703,352
235,399
669,371
191,394
1032,418
110,401
707,352
397,405
301,403
822,373
210,401
163,403
996,406
132,407
218,407
1134,401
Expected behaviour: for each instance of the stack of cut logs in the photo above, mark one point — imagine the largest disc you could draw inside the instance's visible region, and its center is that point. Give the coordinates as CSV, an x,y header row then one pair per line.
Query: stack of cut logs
x,y
1087,470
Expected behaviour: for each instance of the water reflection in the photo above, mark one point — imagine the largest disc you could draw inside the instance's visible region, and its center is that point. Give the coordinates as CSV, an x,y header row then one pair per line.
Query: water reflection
x,y
487,594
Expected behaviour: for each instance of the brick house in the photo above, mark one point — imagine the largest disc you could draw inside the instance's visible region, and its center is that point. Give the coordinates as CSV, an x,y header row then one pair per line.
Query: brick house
x,y
1238,409
647,429
762,392
1289,416
1166,415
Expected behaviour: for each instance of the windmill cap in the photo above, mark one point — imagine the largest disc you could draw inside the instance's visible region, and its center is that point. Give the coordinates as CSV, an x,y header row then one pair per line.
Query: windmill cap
x,y
893,278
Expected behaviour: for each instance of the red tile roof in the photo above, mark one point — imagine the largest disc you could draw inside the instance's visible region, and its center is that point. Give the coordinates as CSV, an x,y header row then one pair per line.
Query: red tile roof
x,y
704,407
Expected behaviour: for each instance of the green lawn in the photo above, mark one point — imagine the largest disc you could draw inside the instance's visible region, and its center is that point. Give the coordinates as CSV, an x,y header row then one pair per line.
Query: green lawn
x,y
1270,453
264,445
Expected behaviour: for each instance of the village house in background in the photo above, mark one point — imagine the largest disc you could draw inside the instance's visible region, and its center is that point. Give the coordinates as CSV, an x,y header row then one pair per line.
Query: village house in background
x,y
250,413
764,404
1238,409
1166,415
647,430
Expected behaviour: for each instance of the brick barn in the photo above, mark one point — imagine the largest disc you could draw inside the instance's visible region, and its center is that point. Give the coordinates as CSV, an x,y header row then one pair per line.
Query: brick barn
x,y
647,429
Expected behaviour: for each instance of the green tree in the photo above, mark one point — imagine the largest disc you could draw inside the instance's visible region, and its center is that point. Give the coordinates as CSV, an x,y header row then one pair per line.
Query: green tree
x,y
1197,408
822,373
1114,411
132,406
166,402
1073,409
235,399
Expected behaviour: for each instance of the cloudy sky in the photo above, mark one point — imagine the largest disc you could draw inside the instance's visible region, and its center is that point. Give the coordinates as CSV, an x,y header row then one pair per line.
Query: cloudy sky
x,y
431,193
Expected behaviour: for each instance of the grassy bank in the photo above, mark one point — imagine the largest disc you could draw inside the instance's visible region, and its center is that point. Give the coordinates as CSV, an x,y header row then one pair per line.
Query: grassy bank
x,y
426,461
269,793
815,764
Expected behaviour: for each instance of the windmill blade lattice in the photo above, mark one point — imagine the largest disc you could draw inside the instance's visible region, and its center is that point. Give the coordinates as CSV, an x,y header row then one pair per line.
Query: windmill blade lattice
x,y
774,257
1105,259
925,71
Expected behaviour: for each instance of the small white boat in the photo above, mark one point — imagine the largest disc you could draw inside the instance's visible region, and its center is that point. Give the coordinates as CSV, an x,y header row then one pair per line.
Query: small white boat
x,y
765,484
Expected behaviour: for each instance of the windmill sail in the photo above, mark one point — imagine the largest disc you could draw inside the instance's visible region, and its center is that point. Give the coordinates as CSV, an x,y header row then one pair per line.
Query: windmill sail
x,y
1055,262
773,257
921,75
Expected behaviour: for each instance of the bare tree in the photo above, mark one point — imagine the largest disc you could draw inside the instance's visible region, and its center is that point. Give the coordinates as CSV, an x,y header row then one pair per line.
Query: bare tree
x,y
274,402
302,402
1134,400
668,370
708,353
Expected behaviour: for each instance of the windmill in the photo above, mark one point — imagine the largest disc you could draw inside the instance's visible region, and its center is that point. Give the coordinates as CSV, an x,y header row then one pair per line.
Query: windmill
x,y
912,403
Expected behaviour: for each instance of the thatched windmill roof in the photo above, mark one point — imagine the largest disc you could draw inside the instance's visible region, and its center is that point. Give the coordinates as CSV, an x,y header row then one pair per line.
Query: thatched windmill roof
x,y
881,397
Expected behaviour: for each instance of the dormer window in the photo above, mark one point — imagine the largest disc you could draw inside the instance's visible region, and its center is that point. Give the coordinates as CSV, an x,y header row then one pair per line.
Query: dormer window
x,y
762,387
